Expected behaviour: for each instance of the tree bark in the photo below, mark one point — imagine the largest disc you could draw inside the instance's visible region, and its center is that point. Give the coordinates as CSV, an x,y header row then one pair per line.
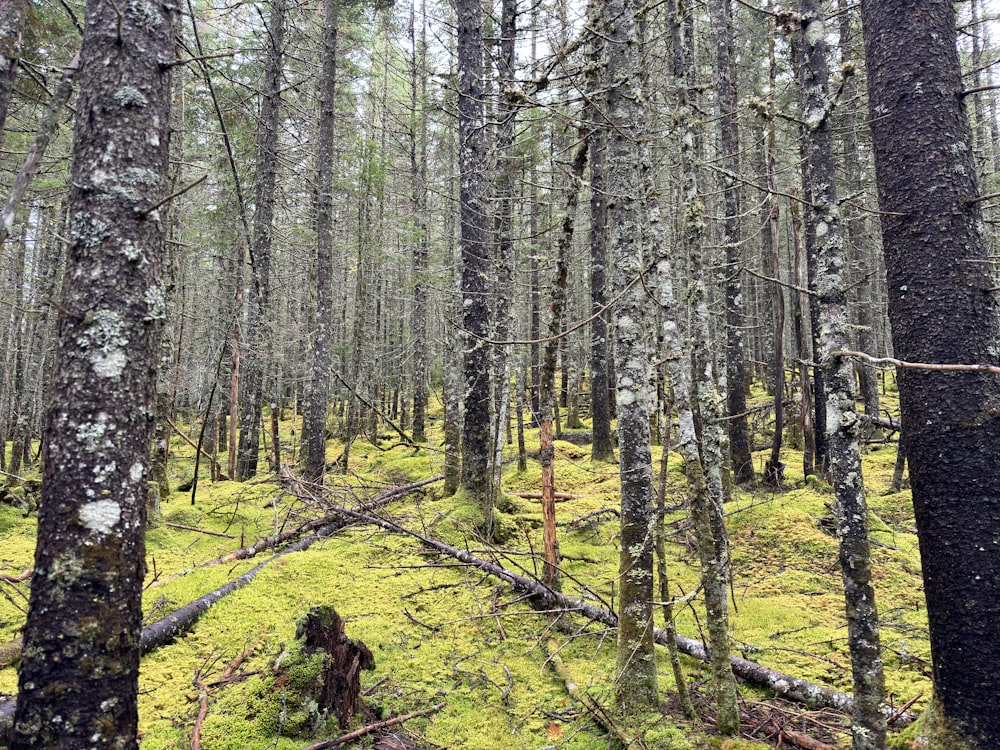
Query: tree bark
x,y
697,395
943,310
550,353
729,147
319,394
418,176
843,423
635,672
12,16
258,340
476,477
48,125
85,616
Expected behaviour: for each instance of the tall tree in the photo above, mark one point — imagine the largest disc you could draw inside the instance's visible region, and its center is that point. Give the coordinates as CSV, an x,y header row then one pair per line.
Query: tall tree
x,y
843,423
635,674
322,340
602,448
89,560
704,465
476,476
418,176
258,340
729,149
943,310
12,16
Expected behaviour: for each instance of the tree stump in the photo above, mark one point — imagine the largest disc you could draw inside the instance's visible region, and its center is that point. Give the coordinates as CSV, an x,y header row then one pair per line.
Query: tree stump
x,y
322,629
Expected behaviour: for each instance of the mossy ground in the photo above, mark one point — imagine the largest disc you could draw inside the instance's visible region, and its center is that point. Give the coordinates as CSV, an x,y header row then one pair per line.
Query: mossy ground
x,y
443,631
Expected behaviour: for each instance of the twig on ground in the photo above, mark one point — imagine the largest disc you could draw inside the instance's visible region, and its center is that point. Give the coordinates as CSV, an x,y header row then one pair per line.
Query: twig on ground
x,y
375,727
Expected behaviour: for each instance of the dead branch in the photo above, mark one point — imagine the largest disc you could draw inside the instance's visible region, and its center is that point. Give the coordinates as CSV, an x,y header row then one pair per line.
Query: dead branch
x,y
783,685
538,495
200,531
594,709
167,628
365,730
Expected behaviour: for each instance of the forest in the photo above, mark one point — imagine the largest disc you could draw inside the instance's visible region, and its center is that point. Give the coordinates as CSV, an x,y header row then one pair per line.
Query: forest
x,y
481,374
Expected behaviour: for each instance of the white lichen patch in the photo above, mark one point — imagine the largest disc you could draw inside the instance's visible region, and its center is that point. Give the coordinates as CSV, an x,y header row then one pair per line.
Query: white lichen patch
x,y
130,96
91,434
103,471
135,472
815,32
105,342
156,304
100,515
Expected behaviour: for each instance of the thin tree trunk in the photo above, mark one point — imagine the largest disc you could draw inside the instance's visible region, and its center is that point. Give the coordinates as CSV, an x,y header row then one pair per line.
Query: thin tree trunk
x,y
635,671
704,467
258,315
843,424
418,176
602,448
728,134
669,626
547,399
319,391
774,469
477,480
802,341
48,125
12,16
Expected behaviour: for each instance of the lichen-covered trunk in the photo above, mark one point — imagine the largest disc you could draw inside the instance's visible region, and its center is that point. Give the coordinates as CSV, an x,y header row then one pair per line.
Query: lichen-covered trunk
x,y
729,161
861,251
33,159
635,672
418,177
695,390
78,682
12,16
319,389
843,423
800,303
256,357
943,309
550,354
503,267
602,448
477,480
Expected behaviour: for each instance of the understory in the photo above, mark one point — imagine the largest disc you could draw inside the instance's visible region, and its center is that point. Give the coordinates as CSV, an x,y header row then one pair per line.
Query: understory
x,y
443,631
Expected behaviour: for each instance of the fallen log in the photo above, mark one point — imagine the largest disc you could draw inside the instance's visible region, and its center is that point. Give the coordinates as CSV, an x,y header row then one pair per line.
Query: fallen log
x,y
783,685
167,628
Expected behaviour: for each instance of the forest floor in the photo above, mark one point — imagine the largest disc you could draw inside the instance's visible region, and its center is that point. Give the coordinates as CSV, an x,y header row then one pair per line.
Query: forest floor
x,y
467,649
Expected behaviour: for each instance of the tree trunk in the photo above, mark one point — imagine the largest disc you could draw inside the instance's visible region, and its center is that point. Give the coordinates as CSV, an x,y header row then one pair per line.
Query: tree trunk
x,y
857,229
635,673
319,392
258,340
802,340
602,449
547,398
90,556
12,16
729,147
774,469
418,176
50,121
507,166
704,466
843,423
476,477
942,309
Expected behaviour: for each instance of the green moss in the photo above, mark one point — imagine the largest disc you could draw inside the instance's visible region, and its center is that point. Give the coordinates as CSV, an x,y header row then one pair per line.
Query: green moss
x,y
443,631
